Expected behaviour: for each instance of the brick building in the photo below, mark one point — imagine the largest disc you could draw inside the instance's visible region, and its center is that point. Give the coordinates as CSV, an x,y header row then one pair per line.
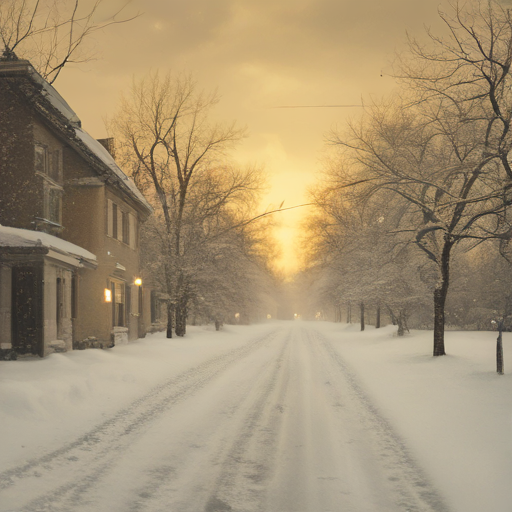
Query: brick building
x,y
69,226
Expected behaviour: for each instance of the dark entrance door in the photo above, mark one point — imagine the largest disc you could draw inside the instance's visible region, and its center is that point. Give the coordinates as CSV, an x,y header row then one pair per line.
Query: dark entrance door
x,y
27,310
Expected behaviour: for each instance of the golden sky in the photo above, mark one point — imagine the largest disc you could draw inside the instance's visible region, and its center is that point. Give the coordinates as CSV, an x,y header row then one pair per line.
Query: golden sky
x,y
258,54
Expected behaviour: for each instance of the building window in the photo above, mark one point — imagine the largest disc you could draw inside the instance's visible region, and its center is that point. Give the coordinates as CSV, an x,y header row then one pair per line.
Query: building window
x,y
128,301
52,207
126,227
118,303
121,224
154,307
55,165
114,220
133,230
48,162
74,296
108,217
41,159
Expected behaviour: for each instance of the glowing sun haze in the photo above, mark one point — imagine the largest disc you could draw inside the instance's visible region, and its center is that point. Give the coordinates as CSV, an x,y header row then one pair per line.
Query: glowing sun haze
x,y
258,54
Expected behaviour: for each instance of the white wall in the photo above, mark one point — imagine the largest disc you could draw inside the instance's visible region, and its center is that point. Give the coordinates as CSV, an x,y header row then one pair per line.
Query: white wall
x,y
51,273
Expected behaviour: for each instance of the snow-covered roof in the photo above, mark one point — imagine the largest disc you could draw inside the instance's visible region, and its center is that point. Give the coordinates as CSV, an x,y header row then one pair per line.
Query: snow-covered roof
x,y
25,238
19,67
99,150
70,126
55,98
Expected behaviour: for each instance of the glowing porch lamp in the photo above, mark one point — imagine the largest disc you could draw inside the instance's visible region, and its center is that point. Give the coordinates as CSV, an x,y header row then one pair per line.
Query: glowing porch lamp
x,y
108,295
138,282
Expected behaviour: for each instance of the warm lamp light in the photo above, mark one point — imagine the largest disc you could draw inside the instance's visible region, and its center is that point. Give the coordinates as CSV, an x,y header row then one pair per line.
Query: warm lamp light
x,y
138,281
108,295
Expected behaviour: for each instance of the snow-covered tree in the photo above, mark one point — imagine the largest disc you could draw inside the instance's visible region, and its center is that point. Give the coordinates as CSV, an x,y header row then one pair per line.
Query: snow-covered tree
x,y
180,160
443,145
360,258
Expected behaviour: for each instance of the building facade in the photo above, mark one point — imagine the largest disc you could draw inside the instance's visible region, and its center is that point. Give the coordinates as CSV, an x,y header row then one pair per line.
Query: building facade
x,y
69,226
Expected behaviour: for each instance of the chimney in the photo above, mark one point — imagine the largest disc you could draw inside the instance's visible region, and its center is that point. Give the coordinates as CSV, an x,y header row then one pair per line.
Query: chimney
x,y
109,145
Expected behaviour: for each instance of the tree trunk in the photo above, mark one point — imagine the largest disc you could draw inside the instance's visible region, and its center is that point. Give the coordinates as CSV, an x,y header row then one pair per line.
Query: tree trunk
x,y
181,308
349,313
170,315
170,305
440,294
499,350
181,318
377,319
362,316
401,323
392,315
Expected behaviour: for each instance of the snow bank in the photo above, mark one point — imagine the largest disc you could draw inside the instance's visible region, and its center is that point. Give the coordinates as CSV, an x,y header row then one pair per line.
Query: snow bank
x,y
45,402
455,411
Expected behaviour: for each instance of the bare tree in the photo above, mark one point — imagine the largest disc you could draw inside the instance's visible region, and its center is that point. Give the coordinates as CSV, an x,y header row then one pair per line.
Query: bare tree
x,y
364,260
234,277
179,159
52,33
445,148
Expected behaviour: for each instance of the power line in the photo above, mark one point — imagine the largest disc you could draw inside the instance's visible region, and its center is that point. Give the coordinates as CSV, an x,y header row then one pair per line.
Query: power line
x,y
316,106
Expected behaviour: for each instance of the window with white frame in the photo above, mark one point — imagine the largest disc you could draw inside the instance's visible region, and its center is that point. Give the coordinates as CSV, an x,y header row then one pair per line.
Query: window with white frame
x,y
48,164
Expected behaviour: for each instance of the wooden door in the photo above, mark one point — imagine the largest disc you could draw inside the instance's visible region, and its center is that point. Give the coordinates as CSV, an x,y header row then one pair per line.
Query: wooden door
x,y
27,310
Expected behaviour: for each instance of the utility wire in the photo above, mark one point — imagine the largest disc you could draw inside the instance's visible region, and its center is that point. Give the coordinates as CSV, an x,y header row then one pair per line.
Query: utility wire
x,y
316,106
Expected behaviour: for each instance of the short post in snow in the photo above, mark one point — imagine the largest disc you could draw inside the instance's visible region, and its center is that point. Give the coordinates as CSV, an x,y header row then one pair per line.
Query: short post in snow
x,y
499,347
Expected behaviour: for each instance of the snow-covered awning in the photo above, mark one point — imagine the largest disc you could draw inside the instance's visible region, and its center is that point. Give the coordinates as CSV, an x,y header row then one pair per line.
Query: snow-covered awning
x,y
14,239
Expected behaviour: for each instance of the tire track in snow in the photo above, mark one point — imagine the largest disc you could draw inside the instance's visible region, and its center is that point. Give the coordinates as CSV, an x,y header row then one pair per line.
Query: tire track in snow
x,y
243,461
245,464
409,485
82,462
249,464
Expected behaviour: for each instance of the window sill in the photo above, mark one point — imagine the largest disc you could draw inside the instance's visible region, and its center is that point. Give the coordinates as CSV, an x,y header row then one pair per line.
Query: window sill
x,y
48,226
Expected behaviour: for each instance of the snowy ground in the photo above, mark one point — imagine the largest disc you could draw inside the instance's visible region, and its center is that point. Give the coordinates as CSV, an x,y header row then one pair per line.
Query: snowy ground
x,y
281,417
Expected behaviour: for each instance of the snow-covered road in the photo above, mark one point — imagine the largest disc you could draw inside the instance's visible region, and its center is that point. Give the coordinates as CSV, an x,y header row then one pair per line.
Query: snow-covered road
x,y
279,423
